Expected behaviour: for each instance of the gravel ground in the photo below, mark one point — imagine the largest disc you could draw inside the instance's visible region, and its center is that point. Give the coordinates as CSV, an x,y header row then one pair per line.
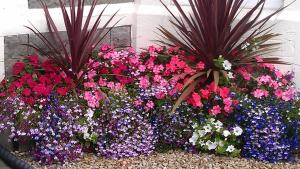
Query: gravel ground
x,y
170,160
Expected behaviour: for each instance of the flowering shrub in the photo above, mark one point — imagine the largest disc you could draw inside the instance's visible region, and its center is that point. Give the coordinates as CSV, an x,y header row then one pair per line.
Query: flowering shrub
x,y
33,80
213,135
265,136
52,129
266,80
125,107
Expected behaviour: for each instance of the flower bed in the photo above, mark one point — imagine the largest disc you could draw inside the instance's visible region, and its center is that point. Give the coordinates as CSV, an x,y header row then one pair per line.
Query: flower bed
x,y
121,104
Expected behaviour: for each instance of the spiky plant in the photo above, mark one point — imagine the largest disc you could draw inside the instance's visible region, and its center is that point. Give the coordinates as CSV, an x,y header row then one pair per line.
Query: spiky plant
x,y
214,28
83,36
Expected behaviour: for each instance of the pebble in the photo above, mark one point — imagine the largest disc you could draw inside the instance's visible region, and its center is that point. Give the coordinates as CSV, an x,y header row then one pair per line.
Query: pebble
x,y
169,160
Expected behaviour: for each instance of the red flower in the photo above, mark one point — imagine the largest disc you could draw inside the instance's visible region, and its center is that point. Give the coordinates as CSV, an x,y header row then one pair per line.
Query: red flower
x,y
26,92
41,89
62,91
31,83
2,94
44,79
29,100
196,100
224,92
33,59
18,67
204,93
103,71
48,66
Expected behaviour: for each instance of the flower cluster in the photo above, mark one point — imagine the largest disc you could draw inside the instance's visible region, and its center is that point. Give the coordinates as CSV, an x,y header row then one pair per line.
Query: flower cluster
x,y
213,135
266,80
33,80
265,136
123,131
214,100
174,129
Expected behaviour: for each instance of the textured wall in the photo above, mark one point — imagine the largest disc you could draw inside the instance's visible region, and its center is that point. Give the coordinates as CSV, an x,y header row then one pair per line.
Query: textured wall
x,y
119,37
55,3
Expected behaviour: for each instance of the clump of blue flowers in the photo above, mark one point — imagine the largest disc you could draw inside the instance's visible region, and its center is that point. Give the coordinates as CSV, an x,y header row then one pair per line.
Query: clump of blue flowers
x,y
123,131
265,134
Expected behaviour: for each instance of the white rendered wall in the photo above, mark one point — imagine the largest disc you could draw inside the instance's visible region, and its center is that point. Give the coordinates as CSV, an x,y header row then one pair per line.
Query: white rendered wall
x,y
145,16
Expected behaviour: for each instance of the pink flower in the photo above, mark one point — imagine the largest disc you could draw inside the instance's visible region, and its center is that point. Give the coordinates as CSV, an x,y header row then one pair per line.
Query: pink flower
x,y
142,68
215,110
200,65
111,85
157,69
138,102
144,82
163,82
160,95
196,100
264,79
227,102
278,93
149,105
89,84
102,82
157,78
259,93
92,74
228,109
278,74
289,94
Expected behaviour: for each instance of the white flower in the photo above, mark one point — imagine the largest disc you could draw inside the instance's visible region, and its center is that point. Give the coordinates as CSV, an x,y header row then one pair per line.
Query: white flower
x,y
207,128
195,125
237,131
211,145
201,143
218,125
226,133
86,136
90,113
211,120
230,75
194,138
227,65
201,133
230,148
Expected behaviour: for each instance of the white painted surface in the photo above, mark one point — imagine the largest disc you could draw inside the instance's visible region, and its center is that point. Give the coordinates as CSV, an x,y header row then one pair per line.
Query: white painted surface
x,y
145,16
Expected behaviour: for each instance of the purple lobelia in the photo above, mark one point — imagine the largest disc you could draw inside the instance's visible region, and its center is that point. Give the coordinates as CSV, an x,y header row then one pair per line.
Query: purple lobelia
x,y
123,131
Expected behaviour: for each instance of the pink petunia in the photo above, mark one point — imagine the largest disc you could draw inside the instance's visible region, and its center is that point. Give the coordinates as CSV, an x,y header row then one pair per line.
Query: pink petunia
x,y
259,93
215,110
227,102
144,82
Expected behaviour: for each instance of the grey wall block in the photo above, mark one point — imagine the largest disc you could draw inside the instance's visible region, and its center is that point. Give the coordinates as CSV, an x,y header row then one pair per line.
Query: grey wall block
x,y
121,36
55,3
13,47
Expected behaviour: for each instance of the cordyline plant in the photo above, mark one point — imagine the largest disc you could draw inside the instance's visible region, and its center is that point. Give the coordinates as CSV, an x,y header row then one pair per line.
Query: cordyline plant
x,y
82,37
217,29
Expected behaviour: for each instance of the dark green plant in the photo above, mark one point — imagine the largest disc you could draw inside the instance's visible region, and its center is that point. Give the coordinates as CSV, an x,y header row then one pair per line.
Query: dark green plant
x,y
212,29
83,36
